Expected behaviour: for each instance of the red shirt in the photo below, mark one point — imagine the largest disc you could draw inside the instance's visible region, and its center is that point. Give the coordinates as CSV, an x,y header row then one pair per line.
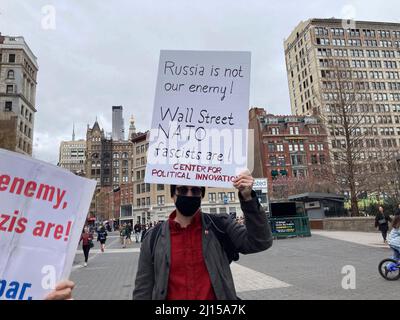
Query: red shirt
x,y
188,276
86,237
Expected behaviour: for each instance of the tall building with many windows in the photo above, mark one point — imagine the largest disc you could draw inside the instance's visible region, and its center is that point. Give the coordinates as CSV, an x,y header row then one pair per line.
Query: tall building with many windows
x,y
73,156
108,162
18,73
331,63
118,131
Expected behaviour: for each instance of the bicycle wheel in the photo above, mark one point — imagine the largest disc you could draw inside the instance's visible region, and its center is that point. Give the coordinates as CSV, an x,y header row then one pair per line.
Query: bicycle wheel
x,y
389,269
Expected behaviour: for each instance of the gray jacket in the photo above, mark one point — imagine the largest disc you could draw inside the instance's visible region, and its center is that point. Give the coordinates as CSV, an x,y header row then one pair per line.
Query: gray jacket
x,y
152,281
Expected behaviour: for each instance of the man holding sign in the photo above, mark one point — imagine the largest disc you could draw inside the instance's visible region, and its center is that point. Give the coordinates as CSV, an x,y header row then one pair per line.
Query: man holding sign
x,y
198,139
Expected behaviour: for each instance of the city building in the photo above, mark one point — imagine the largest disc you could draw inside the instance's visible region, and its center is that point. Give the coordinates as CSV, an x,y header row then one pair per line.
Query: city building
x,y
73,155
118,131
348,72
18,73
108,162
331,62
288,146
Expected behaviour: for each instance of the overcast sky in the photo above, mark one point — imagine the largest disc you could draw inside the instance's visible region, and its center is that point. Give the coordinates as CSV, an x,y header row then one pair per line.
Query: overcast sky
x,y
103,53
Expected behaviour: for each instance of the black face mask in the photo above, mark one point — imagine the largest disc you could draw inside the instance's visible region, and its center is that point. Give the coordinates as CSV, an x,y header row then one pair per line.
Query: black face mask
x,y
188,206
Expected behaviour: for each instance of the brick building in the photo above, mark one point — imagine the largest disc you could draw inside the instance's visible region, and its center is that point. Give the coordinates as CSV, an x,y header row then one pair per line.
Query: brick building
x,y
288,146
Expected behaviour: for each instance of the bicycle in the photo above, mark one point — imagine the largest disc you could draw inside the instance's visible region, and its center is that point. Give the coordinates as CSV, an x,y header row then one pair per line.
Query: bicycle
x,y
389,268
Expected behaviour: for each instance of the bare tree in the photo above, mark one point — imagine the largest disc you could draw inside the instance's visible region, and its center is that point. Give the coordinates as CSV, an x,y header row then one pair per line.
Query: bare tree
x,y
317,181
347,104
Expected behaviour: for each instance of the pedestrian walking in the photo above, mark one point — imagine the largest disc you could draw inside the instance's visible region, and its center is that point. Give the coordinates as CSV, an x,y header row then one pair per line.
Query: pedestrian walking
x,y
102,237
87,243
128,233
382,223
122,235
137,228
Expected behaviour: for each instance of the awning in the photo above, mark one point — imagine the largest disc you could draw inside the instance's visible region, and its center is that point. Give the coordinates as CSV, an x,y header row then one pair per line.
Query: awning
x,y
274,173
284,172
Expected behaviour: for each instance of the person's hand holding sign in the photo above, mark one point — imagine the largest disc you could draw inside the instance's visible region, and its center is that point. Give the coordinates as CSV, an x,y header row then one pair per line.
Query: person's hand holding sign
x,y
244,183
63,291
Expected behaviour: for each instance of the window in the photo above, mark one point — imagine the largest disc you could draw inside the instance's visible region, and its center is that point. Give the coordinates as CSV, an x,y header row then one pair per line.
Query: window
x,y
279,147
10,74
294,130
11,58
221,196
160,200
274,131
272,161
314,159
271,147
160,187
281,161
212,197
8,106
231,196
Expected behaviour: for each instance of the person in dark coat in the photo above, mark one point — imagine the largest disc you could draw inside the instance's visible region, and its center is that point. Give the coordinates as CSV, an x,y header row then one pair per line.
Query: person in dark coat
x,y
397,211
382,220
102,237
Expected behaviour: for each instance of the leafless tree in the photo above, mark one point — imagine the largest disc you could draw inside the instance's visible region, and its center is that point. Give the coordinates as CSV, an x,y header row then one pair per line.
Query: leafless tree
x,y
347,105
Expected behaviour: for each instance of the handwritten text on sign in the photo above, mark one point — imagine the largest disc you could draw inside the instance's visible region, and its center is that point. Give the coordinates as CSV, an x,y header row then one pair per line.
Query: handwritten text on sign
x,y
200,119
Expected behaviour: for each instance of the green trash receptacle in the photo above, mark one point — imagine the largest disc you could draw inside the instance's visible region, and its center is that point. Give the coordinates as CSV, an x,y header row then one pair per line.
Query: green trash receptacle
x,y
288,220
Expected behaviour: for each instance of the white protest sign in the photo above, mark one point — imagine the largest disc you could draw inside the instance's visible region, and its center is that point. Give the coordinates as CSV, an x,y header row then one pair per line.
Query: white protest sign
x,y
42,212
200,118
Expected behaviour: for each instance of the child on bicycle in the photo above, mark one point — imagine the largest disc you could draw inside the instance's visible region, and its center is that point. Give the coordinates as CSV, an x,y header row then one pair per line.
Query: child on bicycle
x,y
394,238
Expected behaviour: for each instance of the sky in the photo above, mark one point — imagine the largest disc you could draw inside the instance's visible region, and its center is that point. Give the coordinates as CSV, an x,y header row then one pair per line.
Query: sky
x,y
94,54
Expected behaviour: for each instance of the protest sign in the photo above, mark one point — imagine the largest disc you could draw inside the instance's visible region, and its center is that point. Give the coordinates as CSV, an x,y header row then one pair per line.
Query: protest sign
x,y
42,212
200,118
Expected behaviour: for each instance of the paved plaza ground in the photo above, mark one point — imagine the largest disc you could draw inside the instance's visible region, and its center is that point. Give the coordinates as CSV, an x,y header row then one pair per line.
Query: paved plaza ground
x,y
297,268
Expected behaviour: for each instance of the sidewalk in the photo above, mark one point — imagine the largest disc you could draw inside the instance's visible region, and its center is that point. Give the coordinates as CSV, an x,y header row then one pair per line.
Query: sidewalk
x,y
371,239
